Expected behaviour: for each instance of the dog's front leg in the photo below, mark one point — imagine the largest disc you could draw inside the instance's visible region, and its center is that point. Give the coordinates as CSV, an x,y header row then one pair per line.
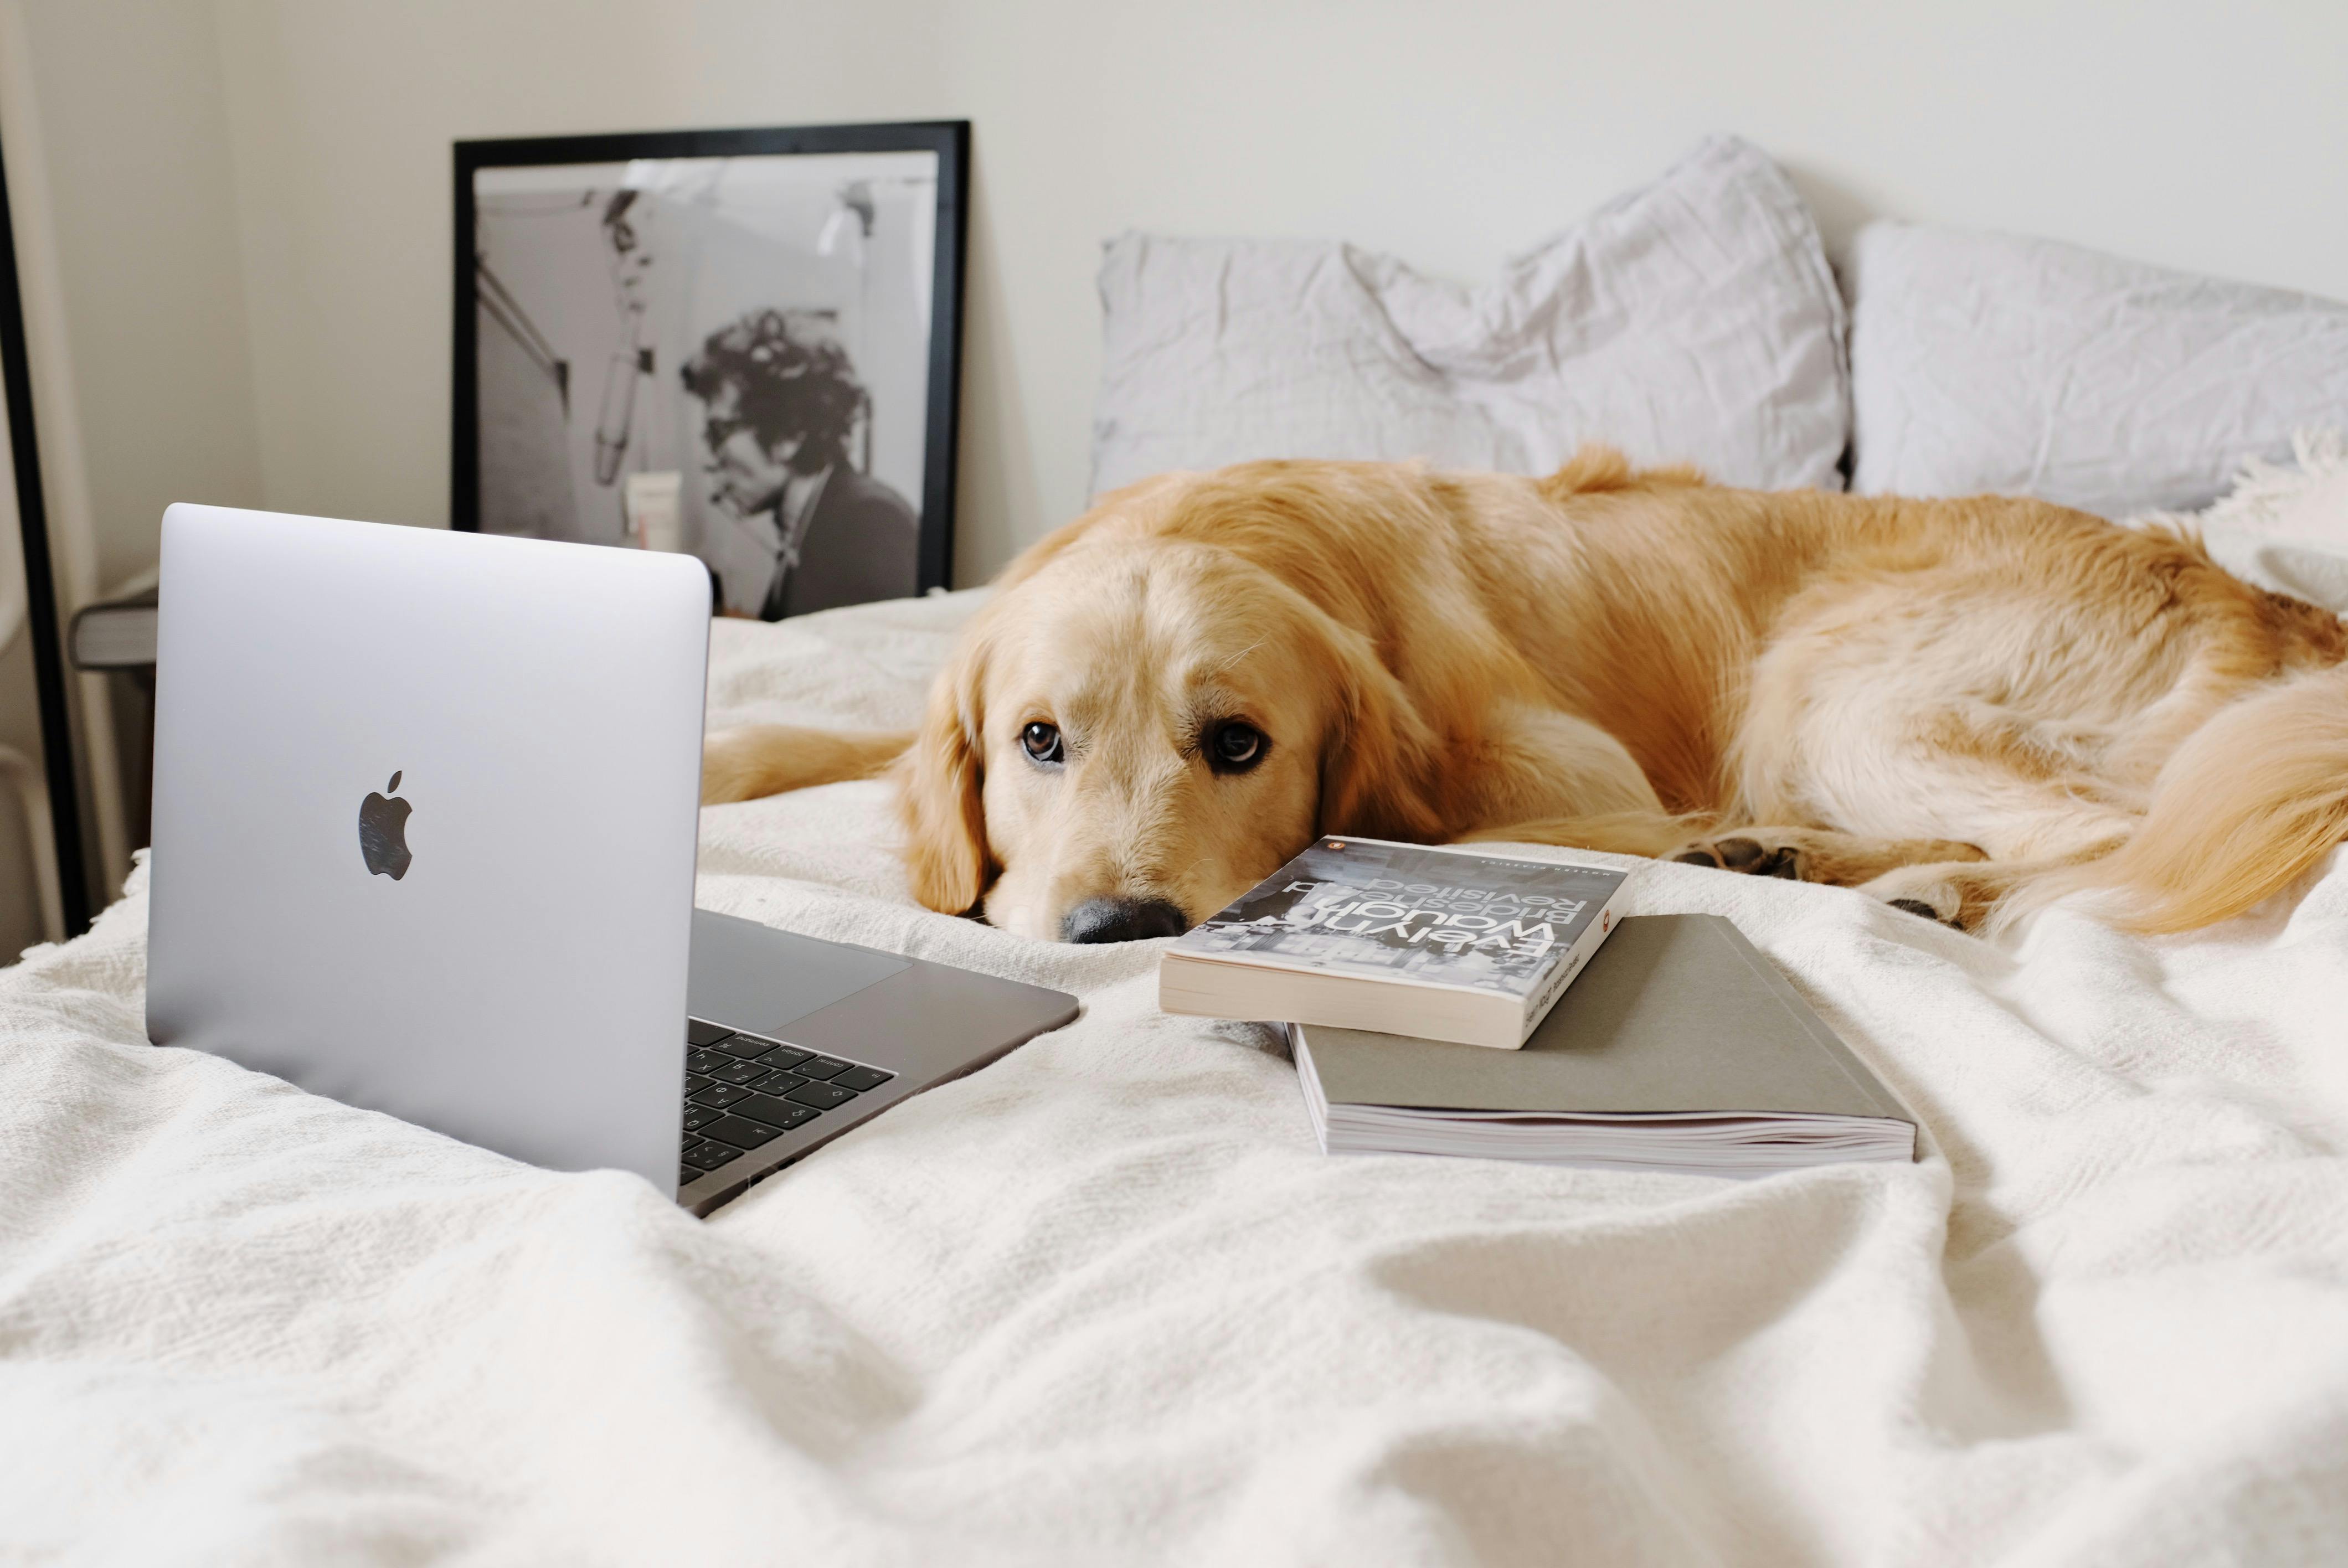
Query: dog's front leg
x,y
1541,776
756,760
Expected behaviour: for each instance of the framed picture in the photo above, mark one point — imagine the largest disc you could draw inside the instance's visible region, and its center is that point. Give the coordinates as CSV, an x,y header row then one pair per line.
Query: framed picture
x,y
746,344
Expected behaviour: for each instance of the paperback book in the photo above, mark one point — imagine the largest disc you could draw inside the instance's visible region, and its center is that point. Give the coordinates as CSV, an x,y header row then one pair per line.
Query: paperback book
x,y
1680,1048
1363,933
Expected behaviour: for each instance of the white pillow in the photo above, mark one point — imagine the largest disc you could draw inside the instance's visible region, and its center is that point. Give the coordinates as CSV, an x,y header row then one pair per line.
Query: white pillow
x,y
2283,528
1696,320
1983,363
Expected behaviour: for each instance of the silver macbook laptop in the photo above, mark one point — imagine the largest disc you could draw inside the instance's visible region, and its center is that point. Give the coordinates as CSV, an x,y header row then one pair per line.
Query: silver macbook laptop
x,y
425,815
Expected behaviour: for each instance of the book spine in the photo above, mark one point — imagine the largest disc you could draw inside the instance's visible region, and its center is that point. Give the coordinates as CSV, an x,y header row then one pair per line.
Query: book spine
x,y
1308,1078
1593,936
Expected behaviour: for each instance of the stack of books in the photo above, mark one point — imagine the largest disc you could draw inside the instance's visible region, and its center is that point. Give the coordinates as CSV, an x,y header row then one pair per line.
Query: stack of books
x,y
116,635
1441,1001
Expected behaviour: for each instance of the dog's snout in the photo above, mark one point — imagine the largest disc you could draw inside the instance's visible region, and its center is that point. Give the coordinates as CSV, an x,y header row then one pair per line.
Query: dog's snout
x,y
1122,920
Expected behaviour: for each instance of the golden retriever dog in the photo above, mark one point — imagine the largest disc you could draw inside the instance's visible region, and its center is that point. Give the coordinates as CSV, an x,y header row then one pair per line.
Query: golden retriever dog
x,y
1963,707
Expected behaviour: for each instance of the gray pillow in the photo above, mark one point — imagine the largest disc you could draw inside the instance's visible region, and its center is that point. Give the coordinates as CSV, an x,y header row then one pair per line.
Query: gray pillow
x,y
1696,320
1983,363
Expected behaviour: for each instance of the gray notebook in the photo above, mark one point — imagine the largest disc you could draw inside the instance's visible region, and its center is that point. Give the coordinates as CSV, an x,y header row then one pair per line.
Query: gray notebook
x,y
1680,1048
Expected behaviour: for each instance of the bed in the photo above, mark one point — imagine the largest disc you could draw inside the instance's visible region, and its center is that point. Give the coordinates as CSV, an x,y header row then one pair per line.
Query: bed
x,y
1105,1302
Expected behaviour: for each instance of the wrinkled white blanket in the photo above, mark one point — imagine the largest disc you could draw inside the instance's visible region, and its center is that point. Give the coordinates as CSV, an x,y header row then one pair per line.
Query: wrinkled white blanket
x,y
1103,1302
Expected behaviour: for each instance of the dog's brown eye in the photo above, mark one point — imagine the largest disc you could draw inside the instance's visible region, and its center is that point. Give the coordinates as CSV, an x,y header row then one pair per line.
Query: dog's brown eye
x,y
1235,747
1040,742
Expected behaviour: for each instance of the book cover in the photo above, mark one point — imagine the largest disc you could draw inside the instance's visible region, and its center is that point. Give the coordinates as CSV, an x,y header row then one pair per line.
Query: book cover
x,y
1681,1048
1378,910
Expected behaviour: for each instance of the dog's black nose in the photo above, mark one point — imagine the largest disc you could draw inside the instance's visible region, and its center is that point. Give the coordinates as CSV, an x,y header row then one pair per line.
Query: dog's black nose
x,y
1122,920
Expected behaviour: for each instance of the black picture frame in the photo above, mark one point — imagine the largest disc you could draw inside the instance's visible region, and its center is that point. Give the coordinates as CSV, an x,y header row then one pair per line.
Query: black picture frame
x,y
41,623
948,140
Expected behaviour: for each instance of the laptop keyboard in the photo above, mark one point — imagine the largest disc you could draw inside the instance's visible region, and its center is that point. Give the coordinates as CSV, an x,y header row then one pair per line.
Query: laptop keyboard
x,y
743,1091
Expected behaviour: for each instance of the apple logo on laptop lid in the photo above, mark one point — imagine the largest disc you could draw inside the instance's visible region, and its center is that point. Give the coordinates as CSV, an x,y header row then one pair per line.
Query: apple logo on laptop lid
x,y
383,832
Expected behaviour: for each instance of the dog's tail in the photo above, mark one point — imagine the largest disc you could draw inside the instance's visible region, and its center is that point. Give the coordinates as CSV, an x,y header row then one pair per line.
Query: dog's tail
x,y
767,758
2242,809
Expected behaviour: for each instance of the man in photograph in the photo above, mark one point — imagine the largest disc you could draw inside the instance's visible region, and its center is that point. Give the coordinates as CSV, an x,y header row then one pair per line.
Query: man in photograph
x,y
780,408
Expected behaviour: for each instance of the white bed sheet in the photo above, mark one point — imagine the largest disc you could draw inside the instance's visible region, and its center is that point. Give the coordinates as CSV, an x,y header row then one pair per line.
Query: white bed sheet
x,y
1103,1302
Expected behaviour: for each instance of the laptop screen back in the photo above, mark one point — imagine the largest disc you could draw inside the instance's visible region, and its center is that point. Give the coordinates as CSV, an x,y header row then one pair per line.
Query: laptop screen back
x,y
424,817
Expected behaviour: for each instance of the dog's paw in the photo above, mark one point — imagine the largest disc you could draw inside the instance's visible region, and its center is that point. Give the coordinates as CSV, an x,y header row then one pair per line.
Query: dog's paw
x,y
1745,857
1940,894
1821,855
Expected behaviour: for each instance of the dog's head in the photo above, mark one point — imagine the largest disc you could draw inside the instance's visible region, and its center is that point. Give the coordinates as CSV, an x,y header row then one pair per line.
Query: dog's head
x,y
1137,729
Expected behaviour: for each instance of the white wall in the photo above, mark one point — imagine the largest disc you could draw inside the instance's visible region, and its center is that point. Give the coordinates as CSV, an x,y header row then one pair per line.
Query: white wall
x,y
2205,136
138,192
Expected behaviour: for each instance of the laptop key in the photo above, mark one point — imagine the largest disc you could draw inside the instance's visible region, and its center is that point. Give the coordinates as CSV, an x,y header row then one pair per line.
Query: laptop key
x,y
773,1111
786,1056
706,1156
695,1083
860,1079
741,1131
739,1072
699,1034
704,1061
775,1083
744,1046
719,1094
822,1096
700,1116
818,1067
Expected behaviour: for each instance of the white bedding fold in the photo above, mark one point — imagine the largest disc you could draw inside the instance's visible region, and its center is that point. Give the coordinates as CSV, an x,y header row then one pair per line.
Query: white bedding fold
x,y
1103,1301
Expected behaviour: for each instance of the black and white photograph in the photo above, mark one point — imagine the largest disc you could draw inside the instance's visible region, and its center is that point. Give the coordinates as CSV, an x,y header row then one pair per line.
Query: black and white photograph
x,y
740,345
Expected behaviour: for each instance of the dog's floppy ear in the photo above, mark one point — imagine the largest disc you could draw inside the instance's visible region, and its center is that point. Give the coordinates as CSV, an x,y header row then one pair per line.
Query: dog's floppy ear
x,y
1378,759
939,794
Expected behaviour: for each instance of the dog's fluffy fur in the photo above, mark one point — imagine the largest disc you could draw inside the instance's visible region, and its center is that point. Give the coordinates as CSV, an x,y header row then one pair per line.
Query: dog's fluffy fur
x,y
1966,707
